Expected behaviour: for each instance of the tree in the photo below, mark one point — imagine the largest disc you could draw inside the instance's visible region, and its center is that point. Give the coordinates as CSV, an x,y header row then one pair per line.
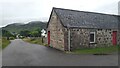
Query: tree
x,y
35,33
25,33
39,32
7,34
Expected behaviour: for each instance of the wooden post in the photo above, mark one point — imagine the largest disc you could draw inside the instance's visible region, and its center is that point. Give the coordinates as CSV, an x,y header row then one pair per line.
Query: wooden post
x,y
42,40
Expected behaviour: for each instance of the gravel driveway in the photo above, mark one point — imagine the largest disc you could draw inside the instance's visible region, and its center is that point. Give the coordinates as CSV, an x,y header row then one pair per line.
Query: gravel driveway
x,y
20,53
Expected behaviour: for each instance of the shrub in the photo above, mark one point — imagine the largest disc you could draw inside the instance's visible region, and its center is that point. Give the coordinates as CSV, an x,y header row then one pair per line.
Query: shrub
x,y
11,38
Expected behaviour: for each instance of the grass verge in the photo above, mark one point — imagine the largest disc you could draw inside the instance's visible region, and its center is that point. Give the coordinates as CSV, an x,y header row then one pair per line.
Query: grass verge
x,y
4,43
102,50
34,41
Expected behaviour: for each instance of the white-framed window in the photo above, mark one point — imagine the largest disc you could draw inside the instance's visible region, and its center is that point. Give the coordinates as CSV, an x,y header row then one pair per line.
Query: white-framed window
x,y
92,37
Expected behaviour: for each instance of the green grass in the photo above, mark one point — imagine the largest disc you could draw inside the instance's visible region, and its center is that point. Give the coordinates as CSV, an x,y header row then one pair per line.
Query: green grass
x,y
102,50
34,41
4,43
0,44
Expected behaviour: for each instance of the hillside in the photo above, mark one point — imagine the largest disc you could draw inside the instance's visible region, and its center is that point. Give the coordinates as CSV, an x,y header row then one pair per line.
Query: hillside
x,y
33,25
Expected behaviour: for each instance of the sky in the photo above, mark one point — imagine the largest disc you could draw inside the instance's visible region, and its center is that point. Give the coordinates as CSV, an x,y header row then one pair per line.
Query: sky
x,y
24,11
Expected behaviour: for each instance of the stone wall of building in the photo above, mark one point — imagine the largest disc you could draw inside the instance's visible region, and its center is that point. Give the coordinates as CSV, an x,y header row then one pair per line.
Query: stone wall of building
x,y
80,38
104,37
118,37
56,32
119,26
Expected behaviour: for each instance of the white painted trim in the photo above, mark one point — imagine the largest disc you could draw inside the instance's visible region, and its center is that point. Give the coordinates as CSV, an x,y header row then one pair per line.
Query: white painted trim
x,y
94,36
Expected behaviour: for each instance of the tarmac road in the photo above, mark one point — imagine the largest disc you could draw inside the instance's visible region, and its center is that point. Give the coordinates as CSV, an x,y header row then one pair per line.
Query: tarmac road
x,y
20,53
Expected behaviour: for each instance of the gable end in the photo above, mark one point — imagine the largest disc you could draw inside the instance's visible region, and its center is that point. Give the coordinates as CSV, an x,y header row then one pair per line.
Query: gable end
x,y
57,16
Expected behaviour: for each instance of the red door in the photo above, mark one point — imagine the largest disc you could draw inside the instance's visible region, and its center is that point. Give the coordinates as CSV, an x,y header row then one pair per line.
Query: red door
x,y
48,38
114,38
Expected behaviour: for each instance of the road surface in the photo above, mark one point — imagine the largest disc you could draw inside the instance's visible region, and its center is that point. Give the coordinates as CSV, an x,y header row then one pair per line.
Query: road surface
x,y
20,53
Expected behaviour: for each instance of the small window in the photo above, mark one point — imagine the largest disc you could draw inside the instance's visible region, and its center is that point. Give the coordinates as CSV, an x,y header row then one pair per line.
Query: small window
x,y
92,37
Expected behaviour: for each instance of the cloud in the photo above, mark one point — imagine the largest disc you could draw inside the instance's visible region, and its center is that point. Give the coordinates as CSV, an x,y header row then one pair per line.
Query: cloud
x,y
27,10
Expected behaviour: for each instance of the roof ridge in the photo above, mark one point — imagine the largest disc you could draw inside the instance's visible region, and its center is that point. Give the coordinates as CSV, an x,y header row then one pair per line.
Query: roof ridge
x,y
85,11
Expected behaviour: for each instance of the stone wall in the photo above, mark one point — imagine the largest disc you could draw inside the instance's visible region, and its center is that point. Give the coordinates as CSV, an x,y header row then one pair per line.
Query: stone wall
x,y
104,37
56,32
118,24
118,37
80,38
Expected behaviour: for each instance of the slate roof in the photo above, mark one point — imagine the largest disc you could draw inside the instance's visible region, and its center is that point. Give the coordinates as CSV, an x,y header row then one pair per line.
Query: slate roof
x,y
82,19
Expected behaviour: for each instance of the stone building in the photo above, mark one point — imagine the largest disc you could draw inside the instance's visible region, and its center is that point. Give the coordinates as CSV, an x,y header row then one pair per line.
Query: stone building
x,y
71,29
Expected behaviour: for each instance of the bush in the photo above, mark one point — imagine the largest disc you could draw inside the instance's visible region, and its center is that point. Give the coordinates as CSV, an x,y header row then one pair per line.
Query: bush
x,y
11,38
32,39
35,41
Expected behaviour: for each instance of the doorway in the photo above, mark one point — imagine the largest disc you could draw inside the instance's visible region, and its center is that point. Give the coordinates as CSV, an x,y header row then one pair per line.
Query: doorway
x,y
48,38
114,38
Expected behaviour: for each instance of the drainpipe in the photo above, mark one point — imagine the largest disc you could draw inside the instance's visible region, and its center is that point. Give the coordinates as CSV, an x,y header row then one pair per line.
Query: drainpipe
x,y
68,39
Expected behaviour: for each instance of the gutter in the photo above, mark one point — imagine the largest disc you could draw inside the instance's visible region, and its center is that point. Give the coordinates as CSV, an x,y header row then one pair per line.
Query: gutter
x,y
68,39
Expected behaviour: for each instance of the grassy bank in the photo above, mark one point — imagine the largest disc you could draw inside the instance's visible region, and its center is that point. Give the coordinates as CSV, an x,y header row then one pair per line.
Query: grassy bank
x,y
34,41
0,44
4,43
103,50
